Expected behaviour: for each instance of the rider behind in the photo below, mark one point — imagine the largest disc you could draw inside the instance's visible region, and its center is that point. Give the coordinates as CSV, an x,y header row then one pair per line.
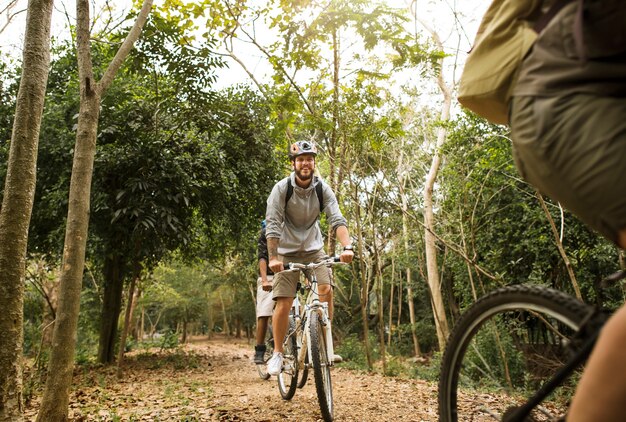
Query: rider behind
x,y
264,302
294,235
568,126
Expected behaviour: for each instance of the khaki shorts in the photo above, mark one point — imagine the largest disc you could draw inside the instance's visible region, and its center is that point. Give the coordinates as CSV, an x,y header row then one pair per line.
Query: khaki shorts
x,y
264,302
573,149
285,283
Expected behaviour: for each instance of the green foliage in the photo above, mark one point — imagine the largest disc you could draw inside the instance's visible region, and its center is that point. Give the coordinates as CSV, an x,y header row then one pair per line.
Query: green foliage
x,y
9,85
428,370
352,350
503,227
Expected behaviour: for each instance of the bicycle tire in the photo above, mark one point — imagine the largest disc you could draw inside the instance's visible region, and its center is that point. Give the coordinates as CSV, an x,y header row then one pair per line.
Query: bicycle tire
x,y
321,367
269,350
303,373
516,308
288,377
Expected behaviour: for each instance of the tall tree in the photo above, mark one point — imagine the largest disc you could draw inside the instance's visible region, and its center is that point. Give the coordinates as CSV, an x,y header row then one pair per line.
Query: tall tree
x,y
17,203
55,401
432,268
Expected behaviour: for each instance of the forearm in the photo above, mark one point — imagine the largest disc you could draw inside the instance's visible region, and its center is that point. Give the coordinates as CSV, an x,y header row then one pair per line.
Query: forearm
x,y
263,269
343,236
272,247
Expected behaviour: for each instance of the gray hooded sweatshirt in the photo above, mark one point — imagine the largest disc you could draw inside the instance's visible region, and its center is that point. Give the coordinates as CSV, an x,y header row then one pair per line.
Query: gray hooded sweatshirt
x,y
297,225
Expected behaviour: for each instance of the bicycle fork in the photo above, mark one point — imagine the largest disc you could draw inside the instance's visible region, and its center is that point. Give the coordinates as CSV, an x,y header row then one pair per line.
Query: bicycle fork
x,y
321,309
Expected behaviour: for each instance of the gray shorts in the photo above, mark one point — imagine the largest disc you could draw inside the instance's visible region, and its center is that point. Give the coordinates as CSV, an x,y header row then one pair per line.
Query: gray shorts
x,y
573,149
285,283
264,302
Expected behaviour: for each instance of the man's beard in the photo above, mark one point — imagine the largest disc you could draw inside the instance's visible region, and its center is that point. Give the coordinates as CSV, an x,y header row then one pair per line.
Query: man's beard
x,y
304,177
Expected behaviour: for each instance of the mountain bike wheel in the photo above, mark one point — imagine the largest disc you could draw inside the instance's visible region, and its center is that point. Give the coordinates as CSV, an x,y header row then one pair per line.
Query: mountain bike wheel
x,y
303,373
321,367
503,348
269,350
288,377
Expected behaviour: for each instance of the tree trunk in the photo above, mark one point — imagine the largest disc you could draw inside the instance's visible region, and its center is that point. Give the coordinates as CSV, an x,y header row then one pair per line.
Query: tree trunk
x,y
128,317
334,182
439,313
54,405
391,294
381,317
111,308
136,328
56,397
405,235
364,286
17,203
432,270
225,328
559,244
51,290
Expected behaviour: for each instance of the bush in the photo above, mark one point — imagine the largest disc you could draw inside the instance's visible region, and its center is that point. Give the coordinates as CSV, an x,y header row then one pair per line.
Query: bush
x,y
352,350
429,370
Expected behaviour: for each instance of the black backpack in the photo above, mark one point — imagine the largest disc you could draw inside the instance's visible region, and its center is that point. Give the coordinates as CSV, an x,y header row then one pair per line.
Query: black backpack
x,y
319,190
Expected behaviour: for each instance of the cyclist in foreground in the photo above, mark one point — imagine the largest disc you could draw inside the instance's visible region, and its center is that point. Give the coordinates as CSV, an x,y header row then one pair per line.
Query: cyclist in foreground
x,y
568,125
294,235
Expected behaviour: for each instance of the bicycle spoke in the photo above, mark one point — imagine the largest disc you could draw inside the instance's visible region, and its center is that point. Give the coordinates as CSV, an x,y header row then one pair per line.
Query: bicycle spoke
x,y
504,349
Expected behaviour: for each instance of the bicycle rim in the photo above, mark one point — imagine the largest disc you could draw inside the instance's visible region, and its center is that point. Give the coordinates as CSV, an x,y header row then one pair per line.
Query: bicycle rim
x,y
503,348
321,368
288,377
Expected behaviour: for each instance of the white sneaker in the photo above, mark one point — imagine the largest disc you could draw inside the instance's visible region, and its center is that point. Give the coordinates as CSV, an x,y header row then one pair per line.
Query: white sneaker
x,y
275,364
337,358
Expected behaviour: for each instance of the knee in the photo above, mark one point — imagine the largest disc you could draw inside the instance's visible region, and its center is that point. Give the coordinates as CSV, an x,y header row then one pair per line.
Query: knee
x,y
283,304
325,289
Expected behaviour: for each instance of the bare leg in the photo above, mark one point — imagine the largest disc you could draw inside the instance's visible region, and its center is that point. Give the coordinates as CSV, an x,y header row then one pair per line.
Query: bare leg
x,y
281,321
602,389
261,329
326,295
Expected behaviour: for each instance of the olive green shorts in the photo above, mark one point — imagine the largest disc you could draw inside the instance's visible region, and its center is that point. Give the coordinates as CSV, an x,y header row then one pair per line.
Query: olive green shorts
x,y
573,149
286,282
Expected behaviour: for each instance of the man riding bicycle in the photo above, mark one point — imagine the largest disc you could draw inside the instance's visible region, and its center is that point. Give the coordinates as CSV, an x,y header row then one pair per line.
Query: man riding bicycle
x,y
568,125
294,235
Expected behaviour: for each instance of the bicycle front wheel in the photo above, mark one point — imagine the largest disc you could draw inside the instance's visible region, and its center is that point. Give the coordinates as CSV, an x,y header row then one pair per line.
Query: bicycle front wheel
x,y
288,377
321,367
503,348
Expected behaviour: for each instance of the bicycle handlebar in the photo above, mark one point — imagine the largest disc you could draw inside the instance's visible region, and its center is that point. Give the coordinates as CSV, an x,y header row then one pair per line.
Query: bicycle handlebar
x,y
328,262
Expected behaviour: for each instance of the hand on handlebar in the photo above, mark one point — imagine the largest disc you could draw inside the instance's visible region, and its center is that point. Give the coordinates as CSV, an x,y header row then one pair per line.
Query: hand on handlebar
x,y
276,265
346,256
266,285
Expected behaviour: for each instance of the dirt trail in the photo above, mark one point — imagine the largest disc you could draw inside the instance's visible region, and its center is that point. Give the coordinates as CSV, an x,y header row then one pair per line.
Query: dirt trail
x,y
215,380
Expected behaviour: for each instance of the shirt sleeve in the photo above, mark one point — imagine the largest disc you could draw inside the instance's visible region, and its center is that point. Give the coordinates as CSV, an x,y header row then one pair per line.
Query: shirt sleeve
x,y
331,208
275,212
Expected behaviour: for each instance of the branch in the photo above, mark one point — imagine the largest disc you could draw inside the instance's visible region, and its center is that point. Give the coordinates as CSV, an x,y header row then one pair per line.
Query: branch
x,y
127,45
280,68
232,55
10,15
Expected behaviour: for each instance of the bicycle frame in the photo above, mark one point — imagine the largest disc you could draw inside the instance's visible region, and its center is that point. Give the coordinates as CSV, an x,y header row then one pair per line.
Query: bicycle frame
x,y
312,305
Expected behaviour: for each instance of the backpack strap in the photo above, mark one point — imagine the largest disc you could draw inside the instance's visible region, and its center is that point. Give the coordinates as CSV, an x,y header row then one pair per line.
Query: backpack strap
x,y
289,191
319,191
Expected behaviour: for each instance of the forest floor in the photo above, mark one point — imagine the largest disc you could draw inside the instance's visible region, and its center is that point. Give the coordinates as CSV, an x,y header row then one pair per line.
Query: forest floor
x,y
216,380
